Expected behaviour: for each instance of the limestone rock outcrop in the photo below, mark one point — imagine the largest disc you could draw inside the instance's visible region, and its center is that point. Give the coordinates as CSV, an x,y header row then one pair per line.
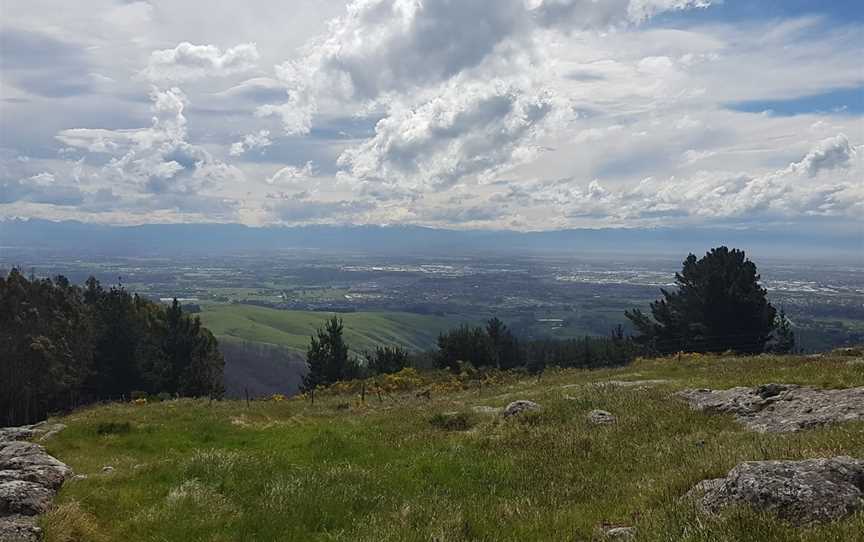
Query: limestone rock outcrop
x,y
800,492
779,408
29,479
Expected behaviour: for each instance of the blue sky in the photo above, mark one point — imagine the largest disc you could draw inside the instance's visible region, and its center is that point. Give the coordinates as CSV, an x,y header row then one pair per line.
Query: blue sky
x,y
478,114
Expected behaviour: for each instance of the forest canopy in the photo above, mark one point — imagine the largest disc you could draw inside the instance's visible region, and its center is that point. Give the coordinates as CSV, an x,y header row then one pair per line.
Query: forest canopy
x,y
62,346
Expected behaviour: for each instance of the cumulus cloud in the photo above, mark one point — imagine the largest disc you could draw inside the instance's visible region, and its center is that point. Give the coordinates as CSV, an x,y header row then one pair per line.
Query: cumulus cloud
x,y
593,14
533,114
187,62
292,174
157,159
251,142
828,154
468,129
382,48
825,182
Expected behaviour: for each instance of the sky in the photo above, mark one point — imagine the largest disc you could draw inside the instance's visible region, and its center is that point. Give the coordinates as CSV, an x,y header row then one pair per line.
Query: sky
x,y
464,114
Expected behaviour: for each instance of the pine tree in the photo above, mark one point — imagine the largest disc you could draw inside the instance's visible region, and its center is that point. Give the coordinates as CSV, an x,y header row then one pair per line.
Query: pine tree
x,y
719,305
784,336
327,356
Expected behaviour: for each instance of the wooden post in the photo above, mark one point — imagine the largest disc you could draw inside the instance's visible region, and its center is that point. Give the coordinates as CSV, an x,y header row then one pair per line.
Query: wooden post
x,y
363,392
246,391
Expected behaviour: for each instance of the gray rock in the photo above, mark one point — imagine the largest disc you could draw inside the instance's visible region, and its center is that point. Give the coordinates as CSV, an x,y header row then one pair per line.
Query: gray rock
x,y
51,431
801,492
632,383
107,469
601,417
518,407
16,433
621,533
29,479
19,529
777,408
26,498
32,463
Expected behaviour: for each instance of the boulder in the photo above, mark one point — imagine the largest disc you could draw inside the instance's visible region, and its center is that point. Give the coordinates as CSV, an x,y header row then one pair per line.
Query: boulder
x,y
29,479
777,408
30,462
26,498
19,529
518,407
601,417
621,533
801,492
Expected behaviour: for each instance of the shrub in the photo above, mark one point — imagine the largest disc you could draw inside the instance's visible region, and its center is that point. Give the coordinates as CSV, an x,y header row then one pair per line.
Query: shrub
x,y
113,428
451,421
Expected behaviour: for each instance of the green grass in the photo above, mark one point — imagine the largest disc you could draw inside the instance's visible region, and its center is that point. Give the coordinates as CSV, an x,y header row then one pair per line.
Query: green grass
x,y
400,470
292,329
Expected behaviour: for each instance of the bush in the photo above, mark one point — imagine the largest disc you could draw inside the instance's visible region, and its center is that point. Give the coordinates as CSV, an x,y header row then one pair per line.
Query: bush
x,y
113,428
451,421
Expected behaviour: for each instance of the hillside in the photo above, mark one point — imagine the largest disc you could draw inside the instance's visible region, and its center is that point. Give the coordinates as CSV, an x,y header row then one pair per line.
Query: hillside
x,y
292,329
449,467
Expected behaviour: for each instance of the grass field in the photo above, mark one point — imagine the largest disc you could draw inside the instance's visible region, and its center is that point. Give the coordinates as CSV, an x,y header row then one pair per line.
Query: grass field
x,y
292,329
346,470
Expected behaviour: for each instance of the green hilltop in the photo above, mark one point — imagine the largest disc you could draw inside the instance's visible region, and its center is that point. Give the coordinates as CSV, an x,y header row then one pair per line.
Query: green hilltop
x,y
432,459
292,329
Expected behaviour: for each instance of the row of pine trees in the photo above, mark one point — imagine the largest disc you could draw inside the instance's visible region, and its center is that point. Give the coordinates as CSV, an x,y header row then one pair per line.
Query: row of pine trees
x,y
62,346
718,306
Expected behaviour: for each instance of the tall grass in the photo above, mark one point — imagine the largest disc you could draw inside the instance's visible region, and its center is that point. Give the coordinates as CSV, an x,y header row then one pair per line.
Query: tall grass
x,y
397,470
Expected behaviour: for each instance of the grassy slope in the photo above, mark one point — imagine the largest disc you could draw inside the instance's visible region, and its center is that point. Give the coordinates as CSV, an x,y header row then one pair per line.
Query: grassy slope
x,y
363,330
190,470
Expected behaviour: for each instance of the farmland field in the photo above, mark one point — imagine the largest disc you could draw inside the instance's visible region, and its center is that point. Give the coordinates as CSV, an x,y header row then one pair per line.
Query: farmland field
x,y
292,329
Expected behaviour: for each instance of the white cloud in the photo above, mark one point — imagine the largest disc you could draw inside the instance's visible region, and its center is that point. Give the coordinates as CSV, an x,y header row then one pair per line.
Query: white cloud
x,y
292,174
468,128
157,159
187,61
251,142
533,114
582,14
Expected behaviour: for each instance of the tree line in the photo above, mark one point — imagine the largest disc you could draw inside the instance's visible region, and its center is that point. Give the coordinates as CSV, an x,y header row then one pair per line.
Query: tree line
x,y
718,306
62,345
492,346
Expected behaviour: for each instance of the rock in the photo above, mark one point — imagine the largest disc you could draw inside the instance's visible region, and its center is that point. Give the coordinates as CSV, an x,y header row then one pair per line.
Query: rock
x,y
29,479
107,469
631,383
777,408
801,492
27,498
621,533
601,417
518,407
51,431
16,433
32,463
19,529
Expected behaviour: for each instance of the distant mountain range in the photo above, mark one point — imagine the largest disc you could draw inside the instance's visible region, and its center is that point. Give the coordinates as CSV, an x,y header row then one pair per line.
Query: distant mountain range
x,y
154,239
